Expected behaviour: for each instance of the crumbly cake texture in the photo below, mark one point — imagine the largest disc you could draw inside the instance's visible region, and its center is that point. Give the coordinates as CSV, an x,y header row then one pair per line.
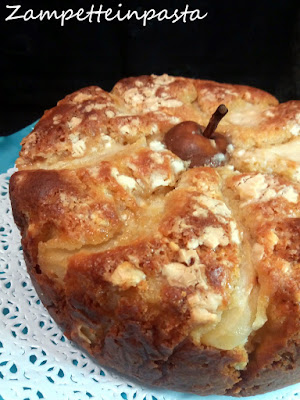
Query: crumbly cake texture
x,y
187,278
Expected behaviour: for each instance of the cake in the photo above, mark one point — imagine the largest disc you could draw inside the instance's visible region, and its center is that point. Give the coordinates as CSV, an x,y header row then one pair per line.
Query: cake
x,y
177,274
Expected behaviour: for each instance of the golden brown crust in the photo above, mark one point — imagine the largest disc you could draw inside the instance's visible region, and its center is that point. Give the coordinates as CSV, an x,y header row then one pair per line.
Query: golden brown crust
x,y
211,94
265,126
91,120
275,234
183,278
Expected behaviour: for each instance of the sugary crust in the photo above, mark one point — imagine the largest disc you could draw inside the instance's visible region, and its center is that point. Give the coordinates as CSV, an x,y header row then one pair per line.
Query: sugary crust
x,y
143,260
211,94
60,209
267,126
90,123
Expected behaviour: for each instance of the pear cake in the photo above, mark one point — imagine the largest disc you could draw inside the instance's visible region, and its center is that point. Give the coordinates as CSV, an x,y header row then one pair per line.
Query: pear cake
x,y
174,263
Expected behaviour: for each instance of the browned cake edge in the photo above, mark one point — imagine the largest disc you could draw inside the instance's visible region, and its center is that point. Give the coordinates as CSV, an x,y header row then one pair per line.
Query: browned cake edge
x,y
182,366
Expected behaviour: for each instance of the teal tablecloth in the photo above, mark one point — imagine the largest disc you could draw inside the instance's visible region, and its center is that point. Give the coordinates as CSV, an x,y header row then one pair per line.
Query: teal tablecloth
x,y
10,147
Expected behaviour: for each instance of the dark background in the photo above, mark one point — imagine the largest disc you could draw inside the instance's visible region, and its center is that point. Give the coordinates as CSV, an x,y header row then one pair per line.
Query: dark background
x,y
255,43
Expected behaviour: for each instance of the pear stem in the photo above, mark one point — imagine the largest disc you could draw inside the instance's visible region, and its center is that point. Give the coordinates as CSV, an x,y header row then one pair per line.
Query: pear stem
x,y
220,112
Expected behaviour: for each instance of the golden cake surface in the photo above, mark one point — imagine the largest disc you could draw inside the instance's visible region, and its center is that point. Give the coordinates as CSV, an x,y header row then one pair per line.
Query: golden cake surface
x,y
187,278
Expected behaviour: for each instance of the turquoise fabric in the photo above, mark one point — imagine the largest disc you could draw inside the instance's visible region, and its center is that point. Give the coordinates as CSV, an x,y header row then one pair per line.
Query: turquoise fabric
x,y
10,147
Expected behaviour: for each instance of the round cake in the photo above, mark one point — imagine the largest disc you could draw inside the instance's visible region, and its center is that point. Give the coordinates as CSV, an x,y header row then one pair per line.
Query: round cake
x,y
160,226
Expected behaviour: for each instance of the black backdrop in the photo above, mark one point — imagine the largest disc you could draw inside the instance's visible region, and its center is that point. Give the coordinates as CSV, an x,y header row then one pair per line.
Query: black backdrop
x,y
255,43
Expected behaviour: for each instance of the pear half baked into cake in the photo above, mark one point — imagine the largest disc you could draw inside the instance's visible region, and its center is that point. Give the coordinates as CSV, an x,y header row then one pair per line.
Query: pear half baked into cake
x,y
163,232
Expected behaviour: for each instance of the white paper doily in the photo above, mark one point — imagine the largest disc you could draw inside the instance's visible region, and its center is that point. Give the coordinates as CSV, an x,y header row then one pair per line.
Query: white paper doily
x,y
37,361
